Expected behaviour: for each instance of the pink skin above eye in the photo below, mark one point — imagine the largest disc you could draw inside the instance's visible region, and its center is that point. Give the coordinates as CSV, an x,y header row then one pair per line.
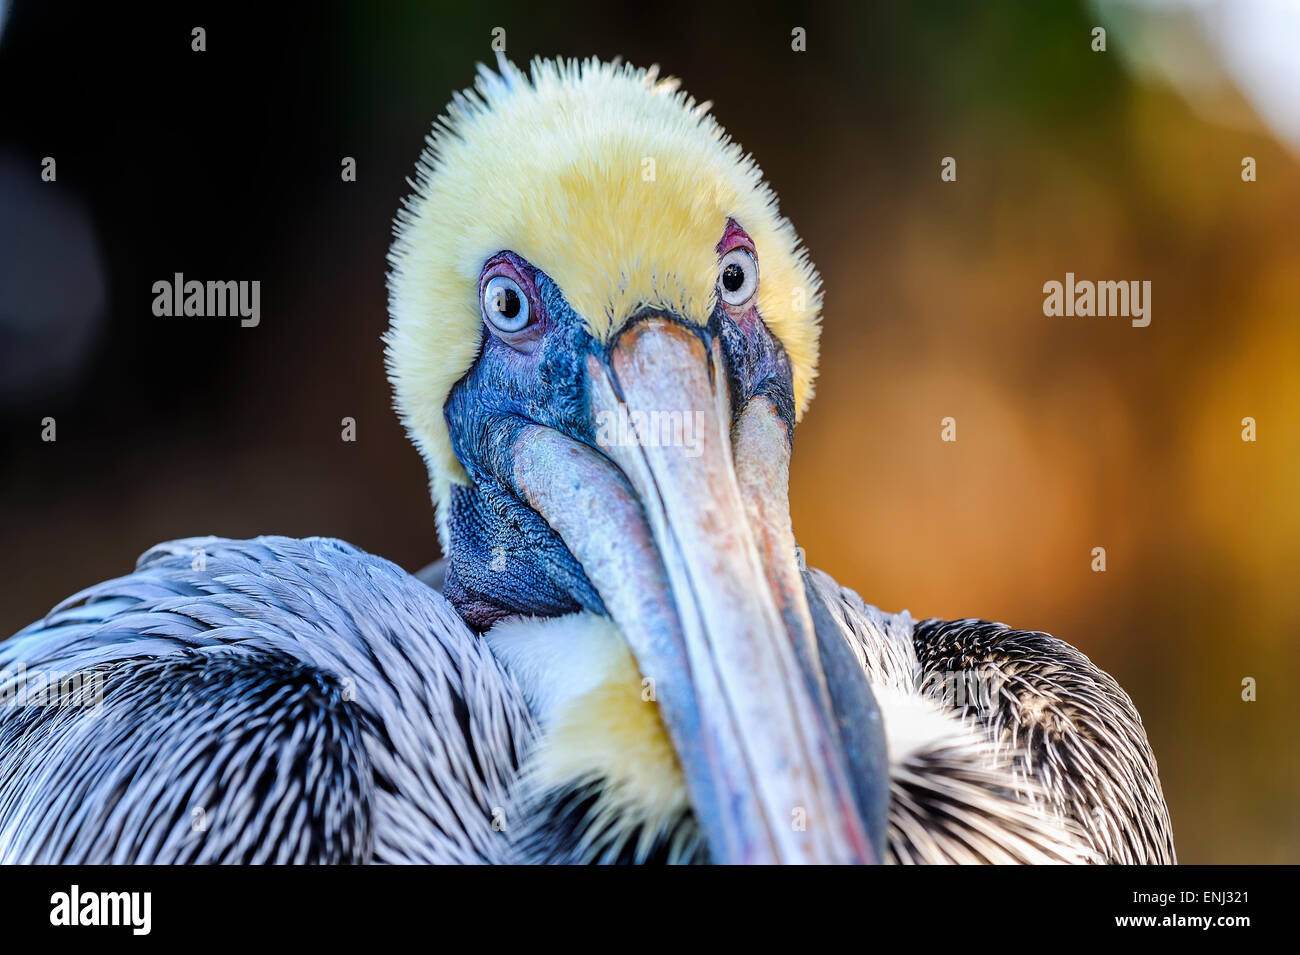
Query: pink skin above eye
x,y
734,237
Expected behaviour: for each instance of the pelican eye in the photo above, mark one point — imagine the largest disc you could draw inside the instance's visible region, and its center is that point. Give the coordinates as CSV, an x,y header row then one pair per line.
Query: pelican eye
x,y
505,304
738,278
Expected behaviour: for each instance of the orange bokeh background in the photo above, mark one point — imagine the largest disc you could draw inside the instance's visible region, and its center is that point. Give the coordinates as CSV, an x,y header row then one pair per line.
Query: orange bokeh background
x,y
1072,433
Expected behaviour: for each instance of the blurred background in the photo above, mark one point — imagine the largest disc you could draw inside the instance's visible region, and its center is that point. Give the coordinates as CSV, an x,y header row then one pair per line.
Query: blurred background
x,y
1073,433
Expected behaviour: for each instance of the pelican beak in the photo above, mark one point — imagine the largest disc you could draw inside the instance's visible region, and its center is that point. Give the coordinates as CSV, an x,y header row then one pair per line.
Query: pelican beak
x,y
680,519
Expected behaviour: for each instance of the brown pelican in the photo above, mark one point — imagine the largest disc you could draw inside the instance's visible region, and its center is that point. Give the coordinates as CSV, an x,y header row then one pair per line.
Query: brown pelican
x,y
603,333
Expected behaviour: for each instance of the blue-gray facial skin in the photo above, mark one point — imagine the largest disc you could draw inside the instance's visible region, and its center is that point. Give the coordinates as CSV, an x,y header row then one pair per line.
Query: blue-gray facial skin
x,y
506,559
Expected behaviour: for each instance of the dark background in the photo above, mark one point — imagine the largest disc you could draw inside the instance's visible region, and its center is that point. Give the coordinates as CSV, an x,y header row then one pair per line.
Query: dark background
x,y
1072,433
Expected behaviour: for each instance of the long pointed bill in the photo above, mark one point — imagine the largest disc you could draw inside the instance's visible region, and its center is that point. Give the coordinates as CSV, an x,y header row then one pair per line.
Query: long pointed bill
x,y
684,529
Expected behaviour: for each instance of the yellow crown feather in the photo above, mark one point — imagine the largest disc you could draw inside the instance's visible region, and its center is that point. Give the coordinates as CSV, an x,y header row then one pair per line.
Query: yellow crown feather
x,y
610,180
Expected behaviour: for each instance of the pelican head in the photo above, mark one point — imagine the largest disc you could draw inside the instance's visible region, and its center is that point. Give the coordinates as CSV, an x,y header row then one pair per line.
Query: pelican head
x,y
603,333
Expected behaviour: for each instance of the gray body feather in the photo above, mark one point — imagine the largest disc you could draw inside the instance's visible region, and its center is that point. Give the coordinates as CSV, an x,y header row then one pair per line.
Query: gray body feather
x,y
1066,724
1056,757
267,700
283,700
